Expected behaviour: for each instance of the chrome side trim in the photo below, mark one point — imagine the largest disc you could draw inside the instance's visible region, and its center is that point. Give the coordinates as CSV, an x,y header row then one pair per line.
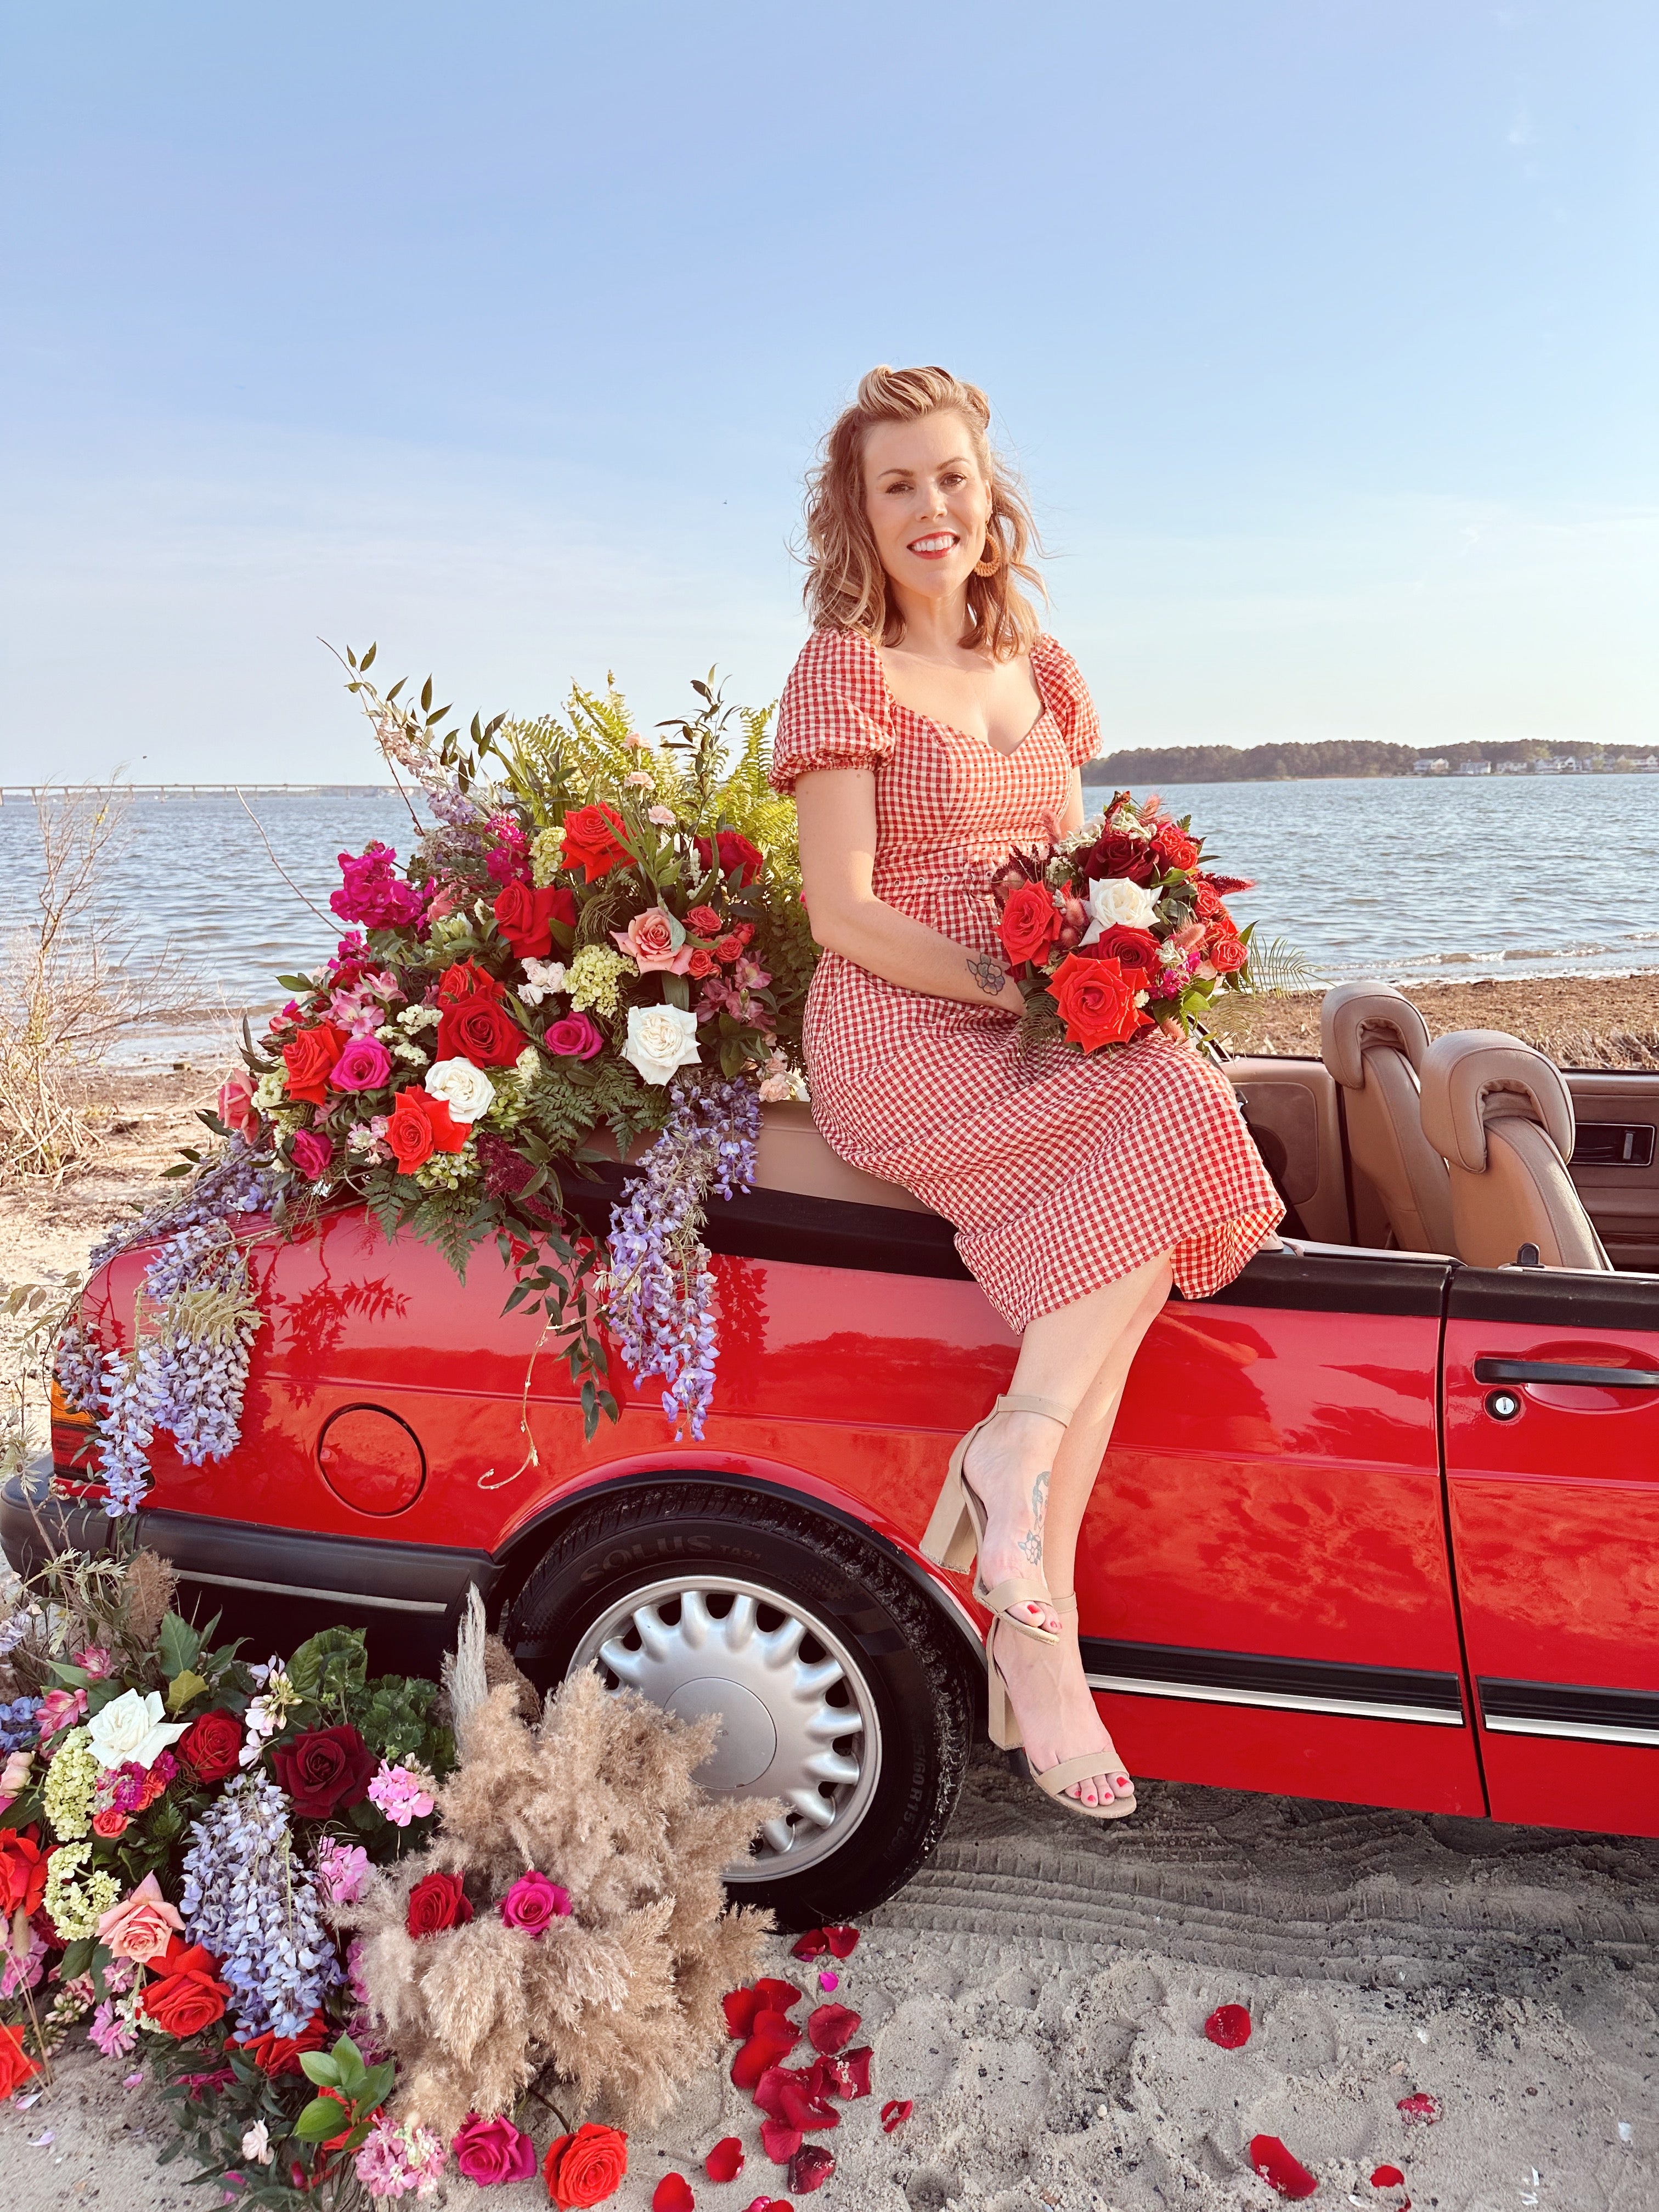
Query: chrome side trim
x,y
1577,1731
1210,1693
300,1590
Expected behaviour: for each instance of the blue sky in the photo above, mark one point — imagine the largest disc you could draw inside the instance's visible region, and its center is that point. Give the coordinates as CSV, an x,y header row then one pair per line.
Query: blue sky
x,y
1324,332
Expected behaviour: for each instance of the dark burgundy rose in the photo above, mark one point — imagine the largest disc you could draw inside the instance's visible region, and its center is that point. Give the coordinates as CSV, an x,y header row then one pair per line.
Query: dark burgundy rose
x,y
324,1771
1113,853
739,859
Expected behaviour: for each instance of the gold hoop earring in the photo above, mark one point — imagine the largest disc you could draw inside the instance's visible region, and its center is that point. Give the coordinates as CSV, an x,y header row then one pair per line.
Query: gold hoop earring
x,y
991,560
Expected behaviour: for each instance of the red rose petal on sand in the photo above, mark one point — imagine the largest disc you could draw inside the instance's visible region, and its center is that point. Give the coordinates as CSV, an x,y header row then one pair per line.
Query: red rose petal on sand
x,y
773,2039
832,2026
1421,2107
778,2143
725,2161
812,1945
777,1996
672,2194
895,2112
810,2168
847,2075
740,2007
1228,2027
843,1941
1279,2169
1388,2177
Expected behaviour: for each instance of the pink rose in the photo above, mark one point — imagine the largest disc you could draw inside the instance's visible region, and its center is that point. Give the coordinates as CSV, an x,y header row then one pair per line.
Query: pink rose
x,y
492,2152
577,1037
141,1927
365,1065
60,1709
235,1102
534,1903
313,1155
648,941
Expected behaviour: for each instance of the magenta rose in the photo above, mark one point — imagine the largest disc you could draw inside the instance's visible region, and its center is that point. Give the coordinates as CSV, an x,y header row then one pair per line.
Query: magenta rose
x,y
534,1903
577,1037
492,2152
365,1065
311,1154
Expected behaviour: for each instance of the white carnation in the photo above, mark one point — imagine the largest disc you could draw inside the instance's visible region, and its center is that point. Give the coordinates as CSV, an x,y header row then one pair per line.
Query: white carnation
x,y
661,1039
1116,903
466,1090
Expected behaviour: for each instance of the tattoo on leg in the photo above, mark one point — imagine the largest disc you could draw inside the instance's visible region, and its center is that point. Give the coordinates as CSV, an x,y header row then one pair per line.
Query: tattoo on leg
x,y
988,973
1030,1544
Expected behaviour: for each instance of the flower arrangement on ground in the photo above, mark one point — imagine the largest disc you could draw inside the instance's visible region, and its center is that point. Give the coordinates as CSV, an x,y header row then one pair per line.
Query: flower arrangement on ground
x,y
1120,928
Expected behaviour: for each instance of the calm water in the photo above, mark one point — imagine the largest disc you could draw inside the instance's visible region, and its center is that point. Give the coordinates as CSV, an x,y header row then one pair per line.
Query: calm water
x,y
1405,878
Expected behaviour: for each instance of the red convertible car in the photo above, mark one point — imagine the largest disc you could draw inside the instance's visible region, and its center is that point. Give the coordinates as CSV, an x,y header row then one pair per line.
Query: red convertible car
x,y
1379,1523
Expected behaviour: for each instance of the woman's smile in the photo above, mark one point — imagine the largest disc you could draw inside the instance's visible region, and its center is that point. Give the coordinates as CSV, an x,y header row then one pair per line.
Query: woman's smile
x,y
936,547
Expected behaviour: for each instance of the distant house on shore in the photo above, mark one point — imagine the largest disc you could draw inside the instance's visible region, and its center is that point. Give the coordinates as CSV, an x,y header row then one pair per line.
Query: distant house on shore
x,y
1431,768
1475,767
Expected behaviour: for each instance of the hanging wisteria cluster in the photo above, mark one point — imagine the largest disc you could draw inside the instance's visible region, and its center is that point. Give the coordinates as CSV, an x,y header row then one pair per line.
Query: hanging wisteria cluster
x,y
661,1295
246,1900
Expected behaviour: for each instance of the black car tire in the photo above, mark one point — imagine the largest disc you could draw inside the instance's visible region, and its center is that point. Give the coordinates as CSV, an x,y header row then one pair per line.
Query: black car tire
x,y
895,1655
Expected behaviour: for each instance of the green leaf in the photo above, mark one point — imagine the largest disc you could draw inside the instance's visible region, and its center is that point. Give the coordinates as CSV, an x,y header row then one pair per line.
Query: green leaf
x,y
180,1645
367,660
349,2059
320,2067
676,990
297,983
321,2117
377,2084
182,1689
78,1958
426,695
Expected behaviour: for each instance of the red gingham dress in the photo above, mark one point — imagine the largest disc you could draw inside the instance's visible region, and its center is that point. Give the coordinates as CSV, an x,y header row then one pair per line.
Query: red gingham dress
x,y
1061,1170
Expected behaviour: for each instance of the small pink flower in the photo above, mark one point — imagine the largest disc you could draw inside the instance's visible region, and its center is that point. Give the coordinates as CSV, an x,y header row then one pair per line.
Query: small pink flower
x,y
365,1065
662,816
60,1709
576,1036
113,2036
314,1155
235,1102
342,1870
534,1903
401,1794
20,1973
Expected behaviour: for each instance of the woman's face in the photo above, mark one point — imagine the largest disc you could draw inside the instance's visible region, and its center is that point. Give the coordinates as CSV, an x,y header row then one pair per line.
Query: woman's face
x,y
928,501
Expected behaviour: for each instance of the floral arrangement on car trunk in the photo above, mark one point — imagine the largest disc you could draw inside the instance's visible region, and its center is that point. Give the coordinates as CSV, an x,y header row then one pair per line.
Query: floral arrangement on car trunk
x,y
190,1841
1120,928
595,938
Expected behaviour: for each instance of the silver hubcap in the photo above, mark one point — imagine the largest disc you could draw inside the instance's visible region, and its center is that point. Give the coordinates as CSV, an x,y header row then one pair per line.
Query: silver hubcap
x,y
796,1718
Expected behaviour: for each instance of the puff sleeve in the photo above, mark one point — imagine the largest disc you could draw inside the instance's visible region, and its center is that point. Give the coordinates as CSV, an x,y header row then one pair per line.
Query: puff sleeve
x,y
1062,686
836,711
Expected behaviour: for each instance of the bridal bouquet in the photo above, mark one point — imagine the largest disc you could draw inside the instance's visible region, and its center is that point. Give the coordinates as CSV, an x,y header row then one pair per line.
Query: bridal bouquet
x,y
1120,928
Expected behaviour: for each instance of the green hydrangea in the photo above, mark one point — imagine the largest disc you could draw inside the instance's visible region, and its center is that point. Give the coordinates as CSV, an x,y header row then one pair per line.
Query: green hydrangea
x,y
272,1090
513,1090
448,1170
74,1907
70,1785
593,979
546,848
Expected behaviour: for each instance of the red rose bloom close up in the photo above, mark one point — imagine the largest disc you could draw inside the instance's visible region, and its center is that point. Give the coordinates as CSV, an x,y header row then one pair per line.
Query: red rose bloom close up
x,y
525,917
466,980
310,1060
419,1126
324,1771
436,1902
23,1870
1030,923
187,1996
16,2067
209,1745
1095,1001
739,859
1227,955
279,2054
591,835
1174,847
704,921
586,2167
1114,853
480,1030
1135,952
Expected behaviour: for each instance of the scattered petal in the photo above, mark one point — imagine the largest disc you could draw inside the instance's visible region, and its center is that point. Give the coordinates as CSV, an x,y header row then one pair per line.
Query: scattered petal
x,y
895,2112
740,2007
725,2161
832,2027
28,2104
780,2142
131,2081
1280,2169
846,2075
1420,2108
773,2039
828,1981
40,2141
843,1941
1228,2027
812,1945
1388,2177
777,1996
672,2194
810,2168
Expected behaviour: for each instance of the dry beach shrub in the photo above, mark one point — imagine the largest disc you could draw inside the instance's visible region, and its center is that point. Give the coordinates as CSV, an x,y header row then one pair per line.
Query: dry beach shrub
x,y
622,1999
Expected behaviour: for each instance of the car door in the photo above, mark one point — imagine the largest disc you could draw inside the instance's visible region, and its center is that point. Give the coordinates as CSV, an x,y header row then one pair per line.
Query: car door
x,y
1265,1596
1552,1425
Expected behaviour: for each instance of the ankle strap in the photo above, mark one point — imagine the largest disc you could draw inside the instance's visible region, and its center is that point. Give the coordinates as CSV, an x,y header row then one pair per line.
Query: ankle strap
x,y
1021,1401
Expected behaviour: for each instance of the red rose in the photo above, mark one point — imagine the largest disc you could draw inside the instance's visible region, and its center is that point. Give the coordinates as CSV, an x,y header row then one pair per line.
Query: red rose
x,y
279,2054
729,947
436,1902
1116,854
109,1824
309,1060
209,1746
1227,955
23,1870
1029,924
1135,952
739,859
479,1029
408,1133
325,1769
704,921
525,917
1174,847
1097,1002
16,2067
586,2167
591,841
702,962
466,980
187,1997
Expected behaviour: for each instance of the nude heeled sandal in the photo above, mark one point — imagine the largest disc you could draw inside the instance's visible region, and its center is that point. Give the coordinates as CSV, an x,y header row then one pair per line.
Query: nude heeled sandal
x,y
1053,1781
957,1530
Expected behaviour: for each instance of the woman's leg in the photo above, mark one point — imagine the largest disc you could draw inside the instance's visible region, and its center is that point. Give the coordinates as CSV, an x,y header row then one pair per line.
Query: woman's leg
x,y
1035,1485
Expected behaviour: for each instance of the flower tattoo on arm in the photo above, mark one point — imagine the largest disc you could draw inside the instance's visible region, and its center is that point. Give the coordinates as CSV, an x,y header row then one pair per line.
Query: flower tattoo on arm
x,y
988,973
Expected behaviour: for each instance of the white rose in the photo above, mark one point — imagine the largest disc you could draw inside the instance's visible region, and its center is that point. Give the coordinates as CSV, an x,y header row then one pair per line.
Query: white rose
x,y
466,1090
1116,903
659,1040
130,1729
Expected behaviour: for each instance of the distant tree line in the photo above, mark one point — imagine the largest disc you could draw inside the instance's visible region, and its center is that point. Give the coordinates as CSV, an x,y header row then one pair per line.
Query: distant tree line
x,y
1140,765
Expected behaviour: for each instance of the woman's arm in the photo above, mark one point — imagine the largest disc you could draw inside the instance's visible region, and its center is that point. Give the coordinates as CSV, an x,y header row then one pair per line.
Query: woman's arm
x,y
837,808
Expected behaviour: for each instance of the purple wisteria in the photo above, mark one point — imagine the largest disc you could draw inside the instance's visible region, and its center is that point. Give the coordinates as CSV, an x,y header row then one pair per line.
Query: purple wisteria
x,y
247,1900
661,1295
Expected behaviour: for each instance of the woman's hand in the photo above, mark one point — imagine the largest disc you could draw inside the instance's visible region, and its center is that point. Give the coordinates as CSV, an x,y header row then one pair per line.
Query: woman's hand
x,y
836,810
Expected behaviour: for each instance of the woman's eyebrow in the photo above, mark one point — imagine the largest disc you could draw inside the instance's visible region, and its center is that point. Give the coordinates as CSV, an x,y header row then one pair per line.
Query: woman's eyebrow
x,y
956,461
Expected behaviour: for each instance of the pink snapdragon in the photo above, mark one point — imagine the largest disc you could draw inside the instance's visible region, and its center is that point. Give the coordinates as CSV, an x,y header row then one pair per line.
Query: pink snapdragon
x,y
397,2161
111,2031
23,1971
402,1793
509,862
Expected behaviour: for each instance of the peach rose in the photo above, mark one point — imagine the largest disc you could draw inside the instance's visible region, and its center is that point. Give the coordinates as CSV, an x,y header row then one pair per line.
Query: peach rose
x,y
654,940
140,1926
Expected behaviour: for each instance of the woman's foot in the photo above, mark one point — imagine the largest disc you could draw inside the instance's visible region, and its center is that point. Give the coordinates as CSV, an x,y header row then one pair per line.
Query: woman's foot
x,y
1057,1714
1008,1468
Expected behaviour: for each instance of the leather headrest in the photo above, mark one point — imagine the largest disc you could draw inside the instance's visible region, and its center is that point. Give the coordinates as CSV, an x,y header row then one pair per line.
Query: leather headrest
x,y
1356,1015
1476,1076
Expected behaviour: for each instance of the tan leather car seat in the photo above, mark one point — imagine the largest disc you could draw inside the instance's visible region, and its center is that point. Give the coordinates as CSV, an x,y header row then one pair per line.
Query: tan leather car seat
x,y
1500,1115
1372,1040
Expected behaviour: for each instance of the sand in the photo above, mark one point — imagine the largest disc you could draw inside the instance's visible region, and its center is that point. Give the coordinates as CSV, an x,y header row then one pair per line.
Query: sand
x,y
1580,1021
1039,1989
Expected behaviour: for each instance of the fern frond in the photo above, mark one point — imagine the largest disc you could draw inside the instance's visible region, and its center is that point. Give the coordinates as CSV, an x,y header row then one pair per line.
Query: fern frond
x,y
1275,970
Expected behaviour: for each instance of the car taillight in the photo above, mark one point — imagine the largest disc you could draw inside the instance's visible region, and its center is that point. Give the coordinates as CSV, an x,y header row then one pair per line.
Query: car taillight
x,y
74,1439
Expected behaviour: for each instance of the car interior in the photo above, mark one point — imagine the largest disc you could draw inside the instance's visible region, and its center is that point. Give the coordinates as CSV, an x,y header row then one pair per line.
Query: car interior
x,y
1475,1146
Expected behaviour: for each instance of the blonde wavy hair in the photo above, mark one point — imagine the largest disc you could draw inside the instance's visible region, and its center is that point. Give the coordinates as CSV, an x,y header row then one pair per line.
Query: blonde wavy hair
x,y
846,587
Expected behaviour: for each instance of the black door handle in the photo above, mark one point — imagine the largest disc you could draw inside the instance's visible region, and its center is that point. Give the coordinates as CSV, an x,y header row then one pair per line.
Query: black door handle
x,y
1584,1379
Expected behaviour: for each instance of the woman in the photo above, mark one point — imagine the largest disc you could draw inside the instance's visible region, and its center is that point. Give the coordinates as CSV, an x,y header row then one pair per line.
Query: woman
x,y
928,727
